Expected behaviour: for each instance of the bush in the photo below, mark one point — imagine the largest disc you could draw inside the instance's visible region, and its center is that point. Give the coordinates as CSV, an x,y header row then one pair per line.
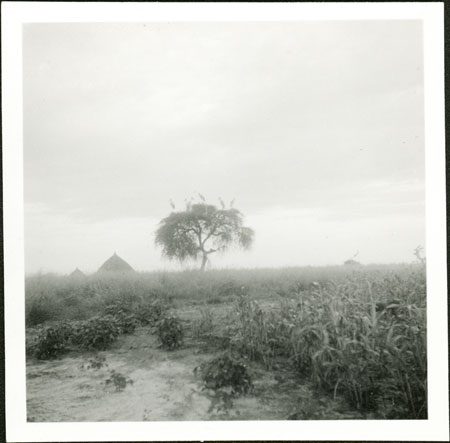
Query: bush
x,y
118,380
150,313
225,372
170,332
127,323
53,341
96,333
123,314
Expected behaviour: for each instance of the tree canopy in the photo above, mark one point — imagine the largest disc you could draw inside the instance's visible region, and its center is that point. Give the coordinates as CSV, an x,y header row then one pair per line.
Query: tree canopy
x,y
200,230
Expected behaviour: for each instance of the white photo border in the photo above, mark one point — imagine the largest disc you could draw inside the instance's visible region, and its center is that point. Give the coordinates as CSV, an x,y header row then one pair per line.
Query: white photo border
x,y
15,14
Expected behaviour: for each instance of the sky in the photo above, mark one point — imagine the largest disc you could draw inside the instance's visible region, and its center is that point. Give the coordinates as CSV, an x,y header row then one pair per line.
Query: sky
x,y
315,129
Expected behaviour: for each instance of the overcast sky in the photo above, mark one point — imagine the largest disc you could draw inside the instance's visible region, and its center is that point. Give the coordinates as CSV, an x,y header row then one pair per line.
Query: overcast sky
x,y
314,128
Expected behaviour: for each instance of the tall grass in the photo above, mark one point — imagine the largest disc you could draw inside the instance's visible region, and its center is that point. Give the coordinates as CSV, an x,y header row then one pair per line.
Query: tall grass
x,y
364,338
52,297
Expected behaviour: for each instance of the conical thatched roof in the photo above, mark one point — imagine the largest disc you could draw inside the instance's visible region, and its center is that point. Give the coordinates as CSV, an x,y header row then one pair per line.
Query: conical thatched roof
x,y
77,274
115,264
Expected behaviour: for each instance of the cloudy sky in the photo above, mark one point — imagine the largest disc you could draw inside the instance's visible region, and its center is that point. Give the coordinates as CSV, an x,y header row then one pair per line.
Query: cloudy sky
x,y
314,128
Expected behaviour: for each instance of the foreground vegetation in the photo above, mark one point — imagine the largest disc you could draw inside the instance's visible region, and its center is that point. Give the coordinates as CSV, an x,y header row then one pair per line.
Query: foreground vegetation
x,y
353,332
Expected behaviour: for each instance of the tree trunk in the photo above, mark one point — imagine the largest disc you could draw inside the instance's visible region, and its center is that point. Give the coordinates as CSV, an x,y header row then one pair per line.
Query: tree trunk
x,y
204,260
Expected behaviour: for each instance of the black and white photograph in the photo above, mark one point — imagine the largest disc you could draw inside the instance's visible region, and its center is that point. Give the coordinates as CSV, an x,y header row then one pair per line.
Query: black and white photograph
x,y
228,220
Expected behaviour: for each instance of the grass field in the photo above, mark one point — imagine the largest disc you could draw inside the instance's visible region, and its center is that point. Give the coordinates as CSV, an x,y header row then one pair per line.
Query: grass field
x,y
354,334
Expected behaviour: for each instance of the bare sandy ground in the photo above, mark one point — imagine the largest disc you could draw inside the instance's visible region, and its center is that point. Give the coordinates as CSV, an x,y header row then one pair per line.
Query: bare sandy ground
x,y
164,388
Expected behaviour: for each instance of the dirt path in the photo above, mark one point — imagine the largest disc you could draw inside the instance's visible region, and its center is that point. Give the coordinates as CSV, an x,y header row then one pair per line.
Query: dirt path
x,y
164,388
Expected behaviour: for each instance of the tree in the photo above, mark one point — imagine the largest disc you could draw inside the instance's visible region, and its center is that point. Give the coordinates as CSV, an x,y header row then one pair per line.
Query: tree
x,y
200,230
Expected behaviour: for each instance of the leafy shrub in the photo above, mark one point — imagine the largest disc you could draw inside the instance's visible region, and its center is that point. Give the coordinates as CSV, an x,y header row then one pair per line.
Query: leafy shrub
x,y
127,323
225,372
96,333
53,341
170,332
149,313
118,380
117,307
123,314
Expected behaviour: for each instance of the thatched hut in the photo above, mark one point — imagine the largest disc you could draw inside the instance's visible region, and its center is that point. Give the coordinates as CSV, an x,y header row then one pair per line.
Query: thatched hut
x,y
115,264
77,274
352,262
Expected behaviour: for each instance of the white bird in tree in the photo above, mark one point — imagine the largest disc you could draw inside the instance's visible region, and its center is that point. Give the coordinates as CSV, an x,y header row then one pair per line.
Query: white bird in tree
x,y
172,203
201,196
232,203
222,203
